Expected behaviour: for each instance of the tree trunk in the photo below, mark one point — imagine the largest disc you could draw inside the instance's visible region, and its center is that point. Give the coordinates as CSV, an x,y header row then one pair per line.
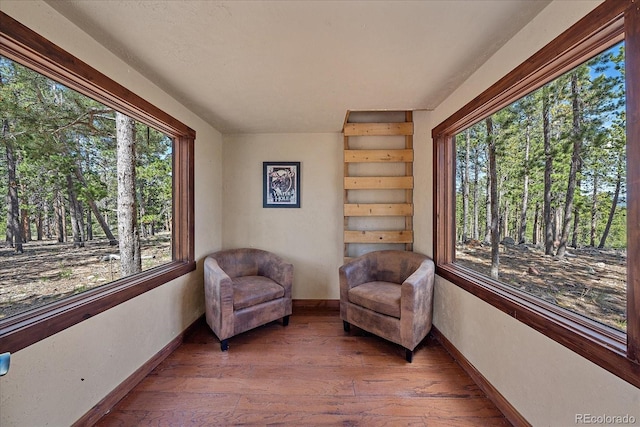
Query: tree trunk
x,y
487,234
77,226
143,225
94,208
548,166
128,233
465,189
576,210
26,225
493,178
557,225
612,211
505,217
8,240
525,188
61,216
89,232
534,235
594,212
576,227
46,226
476,196
14,232
573,170
39,225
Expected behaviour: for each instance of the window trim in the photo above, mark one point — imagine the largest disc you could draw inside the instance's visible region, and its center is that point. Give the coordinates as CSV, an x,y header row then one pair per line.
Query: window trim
x,y
21,44
606,25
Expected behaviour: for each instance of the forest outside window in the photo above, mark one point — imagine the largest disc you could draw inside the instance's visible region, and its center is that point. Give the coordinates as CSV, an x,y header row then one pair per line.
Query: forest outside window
x,y
91,173
541,216
541,192
90,197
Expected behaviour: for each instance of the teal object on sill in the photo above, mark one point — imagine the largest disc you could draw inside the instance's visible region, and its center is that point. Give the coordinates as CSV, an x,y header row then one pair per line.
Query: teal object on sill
x,y
5,359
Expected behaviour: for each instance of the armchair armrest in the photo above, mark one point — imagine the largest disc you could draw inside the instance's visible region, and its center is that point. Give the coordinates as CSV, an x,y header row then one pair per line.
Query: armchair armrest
x,y
218,294
416,304
355,272
281,272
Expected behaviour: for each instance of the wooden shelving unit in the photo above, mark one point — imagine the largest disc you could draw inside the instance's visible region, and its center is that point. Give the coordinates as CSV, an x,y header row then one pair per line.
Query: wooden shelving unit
x,y
387,195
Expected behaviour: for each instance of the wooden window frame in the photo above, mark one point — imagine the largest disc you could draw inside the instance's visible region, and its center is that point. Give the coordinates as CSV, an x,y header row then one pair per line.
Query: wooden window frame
x,y
613,350
28,48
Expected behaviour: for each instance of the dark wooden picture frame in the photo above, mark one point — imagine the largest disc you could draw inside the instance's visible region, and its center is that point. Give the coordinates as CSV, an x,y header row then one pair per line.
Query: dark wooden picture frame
x,y
281,184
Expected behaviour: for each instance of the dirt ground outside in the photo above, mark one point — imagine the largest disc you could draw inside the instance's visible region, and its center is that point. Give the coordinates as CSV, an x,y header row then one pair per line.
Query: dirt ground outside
x,y
48,271
588,281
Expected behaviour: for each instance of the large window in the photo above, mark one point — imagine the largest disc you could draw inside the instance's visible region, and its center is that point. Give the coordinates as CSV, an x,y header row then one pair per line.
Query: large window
x,y
99,188
541,192
537,191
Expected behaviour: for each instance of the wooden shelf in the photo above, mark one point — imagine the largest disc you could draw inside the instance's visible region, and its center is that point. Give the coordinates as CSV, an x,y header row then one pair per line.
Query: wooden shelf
x,y
378,209
376,156
369,215
378,182
378,129
402,236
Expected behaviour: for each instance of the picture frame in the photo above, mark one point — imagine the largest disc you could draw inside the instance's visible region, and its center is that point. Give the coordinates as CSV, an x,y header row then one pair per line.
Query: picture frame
x,y
281,184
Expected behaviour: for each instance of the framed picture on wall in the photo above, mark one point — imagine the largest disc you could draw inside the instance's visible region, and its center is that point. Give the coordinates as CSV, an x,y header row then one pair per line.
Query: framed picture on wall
x,y
281,184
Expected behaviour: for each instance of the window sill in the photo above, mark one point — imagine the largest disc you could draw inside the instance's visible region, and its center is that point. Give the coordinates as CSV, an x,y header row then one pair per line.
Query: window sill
x,y
22,330
598,343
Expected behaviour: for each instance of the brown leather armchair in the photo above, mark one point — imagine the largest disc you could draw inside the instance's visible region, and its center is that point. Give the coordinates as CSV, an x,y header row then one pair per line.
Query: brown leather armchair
x,y
389,294
243,289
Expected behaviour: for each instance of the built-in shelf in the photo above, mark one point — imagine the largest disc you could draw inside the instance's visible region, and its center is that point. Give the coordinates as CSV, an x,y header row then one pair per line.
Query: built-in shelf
x,y
369,228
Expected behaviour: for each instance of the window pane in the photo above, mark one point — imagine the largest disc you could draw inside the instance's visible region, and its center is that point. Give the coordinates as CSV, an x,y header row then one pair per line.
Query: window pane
x,y
555,198
66,201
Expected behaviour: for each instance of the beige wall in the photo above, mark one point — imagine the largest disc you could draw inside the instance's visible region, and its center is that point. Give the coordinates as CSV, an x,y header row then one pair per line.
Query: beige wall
x,y
547,383
59,379
309,237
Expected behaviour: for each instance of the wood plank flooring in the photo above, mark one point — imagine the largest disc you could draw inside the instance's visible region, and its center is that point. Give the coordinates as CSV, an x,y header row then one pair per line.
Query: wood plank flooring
x,y
309,373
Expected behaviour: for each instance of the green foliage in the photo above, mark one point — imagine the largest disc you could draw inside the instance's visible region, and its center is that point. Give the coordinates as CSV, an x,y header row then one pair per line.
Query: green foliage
x,y
59,134
600,119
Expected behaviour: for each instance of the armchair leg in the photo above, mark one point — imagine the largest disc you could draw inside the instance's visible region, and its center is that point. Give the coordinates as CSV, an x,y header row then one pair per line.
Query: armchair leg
x,y
285,321
346,326
408,355
224,345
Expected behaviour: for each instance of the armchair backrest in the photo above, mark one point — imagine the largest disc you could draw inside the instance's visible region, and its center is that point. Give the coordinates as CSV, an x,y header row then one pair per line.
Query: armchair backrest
x,y
243,262
394,266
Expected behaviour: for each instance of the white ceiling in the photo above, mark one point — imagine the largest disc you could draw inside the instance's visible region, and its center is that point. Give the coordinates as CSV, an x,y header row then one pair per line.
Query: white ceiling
x,y
298,66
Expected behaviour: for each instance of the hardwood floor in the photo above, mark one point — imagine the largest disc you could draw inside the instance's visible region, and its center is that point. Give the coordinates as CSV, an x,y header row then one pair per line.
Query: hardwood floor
x,y
306,374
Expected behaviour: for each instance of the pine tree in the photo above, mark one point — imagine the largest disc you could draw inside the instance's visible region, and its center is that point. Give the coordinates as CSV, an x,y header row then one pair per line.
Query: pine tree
x,y
548,168
128,232
576,136
493,185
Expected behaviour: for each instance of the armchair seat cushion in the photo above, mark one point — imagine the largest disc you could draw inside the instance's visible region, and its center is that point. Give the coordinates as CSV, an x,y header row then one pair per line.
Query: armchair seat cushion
x,y
251,290
379,296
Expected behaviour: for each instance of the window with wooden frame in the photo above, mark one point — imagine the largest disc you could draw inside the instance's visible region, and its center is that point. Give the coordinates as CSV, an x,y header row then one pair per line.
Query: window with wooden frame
x,y
23,46
614,349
